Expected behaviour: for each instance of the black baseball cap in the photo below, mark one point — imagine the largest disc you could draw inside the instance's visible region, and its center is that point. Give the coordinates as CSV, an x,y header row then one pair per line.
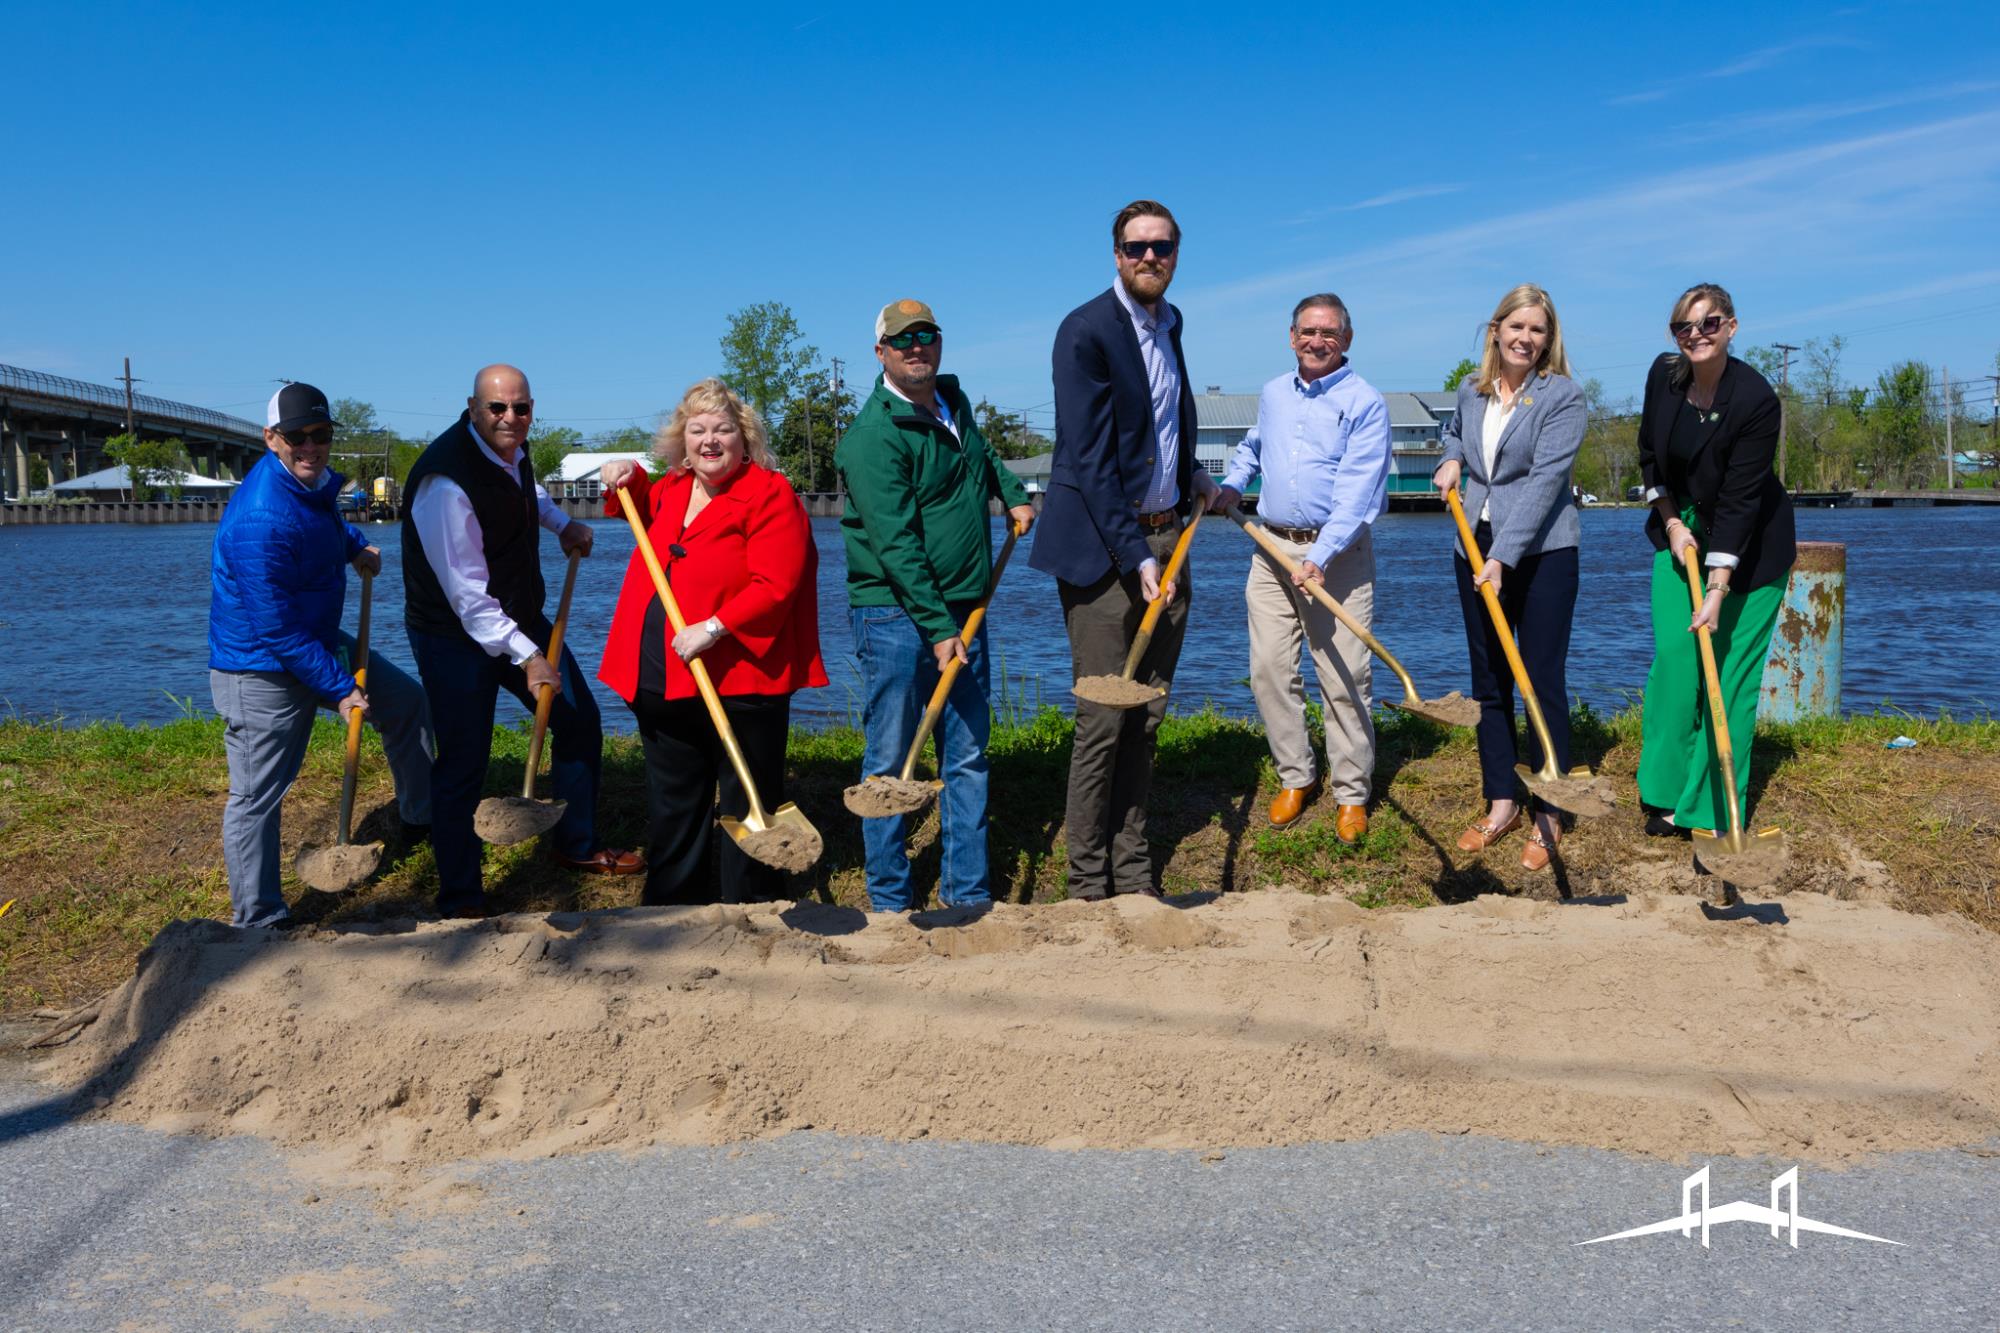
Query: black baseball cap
x,y
297,405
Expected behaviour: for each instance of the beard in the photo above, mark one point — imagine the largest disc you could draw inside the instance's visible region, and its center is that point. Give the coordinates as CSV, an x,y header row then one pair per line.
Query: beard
x,y
917,382
1146,284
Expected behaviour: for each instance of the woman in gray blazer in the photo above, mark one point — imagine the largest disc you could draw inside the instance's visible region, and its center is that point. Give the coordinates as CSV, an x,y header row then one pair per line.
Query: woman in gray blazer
x,y
1513,441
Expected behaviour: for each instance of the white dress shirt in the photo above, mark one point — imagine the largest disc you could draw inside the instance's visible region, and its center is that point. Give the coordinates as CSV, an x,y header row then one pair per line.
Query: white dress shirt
x,y
1491,427
1163,378
452,542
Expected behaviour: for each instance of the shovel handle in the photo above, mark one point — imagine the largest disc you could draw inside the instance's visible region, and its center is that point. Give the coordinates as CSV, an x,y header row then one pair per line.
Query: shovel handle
x,y
1326,599
545,699
350,774
1718,713
1158,605
935,709
696,666
1507,644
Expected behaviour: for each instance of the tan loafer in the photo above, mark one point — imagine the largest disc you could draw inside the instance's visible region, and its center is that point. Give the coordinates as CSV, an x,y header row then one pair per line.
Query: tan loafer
x,y
1480,835
1292,802
1352,824
1535,856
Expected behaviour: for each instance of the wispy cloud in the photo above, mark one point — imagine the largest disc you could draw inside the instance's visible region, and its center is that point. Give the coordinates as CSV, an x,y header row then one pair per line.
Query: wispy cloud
x,y
1829,203
1947,286
1385,200
1745,64
1802,117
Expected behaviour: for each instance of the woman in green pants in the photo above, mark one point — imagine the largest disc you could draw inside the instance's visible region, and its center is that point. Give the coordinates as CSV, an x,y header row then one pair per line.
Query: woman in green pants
x,y
1707,436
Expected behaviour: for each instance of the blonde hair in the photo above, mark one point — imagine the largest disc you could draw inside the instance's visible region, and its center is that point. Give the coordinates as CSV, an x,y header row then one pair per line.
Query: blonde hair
x,y
1553,360
1680,371
712,395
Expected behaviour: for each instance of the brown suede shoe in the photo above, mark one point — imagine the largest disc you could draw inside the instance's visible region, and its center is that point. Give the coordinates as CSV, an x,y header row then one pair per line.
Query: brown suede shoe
x,y
1292,803
1352,824
604,861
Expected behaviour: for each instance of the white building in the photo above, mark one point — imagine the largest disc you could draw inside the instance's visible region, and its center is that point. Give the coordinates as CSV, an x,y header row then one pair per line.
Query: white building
x,y
576,479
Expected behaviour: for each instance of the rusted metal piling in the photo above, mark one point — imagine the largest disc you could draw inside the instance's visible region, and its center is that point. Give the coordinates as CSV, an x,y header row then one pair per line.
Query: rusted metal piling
x,y
1802,679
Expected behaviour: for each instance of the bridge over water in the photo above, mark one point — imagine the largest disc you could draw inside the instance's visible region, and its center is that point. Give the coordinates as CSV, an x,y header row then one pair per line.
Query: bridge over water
x,y
64,423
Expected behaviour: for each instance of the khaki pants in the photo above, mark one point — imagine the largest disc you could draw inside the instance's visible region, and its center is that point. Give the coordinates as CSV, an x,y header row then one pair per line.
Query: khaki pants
x,y
1281,616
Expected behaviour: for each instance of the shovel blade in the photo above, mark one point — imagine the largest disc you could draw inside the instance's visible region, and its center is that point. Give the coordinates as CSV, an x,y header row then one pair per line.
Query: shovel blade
x,y
1749,861
506,820
885,795
785,840
1579,791
1115,691
338,868
1450,710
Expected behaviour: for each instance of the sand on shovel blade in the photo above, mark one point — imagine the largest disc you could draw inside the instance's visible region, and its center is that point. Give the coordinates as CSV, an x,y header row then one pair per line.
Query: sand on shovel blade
x,y
1115,691
1578,792
1762,862
506,820
338,868
873,798
1453,710
785,847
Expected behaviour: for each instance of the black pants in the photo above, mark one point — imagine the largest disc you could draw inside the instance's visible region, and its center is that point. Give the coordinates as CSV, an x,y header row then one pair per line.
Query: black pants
x,y
1539,597
684,763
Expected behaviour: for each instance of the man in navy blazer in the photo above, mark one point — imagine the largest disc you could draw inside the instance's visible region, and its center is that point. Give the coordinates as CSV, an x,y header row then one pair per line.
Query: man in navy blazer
x,y
1121,485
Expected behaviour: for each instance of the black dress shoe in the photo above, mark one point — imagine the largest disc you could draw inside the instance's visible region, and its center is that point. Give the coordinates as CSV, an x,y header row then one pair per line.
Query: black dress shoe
x,y
1660,826
416,835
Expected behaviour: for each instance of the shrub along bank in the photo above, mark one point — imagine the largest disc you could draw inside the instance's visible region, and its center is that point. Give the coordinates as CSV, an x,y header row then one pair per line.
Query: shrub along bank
x,y
108,832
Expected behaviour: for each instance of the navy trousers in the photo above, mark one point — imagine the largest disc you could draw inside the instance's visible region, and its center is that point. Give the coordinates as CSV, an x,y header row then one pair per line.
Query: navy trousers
x,y
1539,598
464,685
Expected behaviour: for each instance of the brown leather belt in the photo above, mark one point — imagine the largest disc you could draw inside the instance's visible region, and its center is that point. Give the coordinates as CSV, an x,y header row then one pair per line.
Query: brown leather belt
x,y
1157,520
1303,536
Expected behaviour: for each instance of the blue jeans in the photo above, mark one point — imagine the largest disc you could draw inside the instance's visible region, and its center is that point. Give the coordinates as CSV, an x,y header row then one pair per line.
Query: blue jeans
x,y
464,685
899,671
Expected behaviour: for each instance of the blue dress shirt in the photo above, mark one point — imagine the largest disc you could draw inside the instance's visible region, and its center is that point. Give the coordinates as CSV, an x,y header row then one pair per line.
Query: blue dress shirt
x,y
1163,381
1323,450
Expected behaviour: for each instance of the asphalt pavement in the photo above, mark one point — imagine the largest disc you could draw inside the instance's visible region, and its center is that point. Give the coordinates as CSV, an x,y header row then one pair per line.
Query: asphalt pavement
x,y
105,1226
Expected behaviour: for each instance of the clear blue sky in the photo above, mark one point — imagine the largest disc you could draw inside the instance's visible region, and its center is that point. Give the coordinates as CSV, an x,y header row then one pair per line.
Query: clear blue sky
x,y
380,198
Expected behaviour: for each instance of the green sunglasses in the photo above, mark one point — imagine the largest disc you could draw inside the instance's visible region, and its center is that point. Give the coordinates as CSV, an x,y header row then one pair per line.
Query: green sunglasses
x,y
919,337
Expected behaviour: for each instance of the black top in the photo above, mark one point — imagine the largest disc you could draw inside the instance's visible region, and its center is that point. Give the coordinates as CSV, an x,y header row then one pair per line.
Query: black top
x,y
1719,461
510,535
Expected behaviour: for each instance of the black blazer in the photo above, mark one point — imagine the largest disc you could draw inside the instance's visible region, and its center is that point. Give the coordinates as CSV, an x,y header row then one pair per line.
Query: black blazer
x,y
1106,442
1742,505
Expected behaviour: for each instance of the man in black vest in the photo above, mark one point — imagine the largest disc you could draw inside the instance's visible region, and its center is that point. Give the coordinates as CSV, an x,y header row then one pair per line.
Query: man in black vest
x,y
473,594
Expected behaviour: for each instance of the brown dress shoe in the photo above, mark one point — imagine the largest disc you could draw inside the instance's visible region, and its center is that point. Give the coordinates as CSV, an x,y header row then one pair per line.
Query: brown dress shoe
x,y
1535,856
1292,803
605,861
1352,824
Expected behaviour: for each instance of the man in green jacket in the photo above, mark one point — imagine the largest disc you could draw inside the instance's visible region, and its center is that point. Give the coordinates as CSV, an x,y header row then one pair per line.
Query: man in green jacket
x,y
919,555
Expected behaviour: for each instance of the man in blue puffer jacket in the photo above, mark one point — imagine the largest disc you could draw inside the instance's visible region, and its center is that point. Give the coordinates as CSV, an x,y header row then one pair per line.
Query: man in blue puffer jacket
x,y
276,652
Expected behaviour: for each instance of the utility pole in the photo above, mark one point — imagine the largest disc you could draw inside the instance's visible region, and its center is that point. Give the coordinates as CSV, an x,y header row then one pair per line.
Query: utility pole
x,y
809,436
836,404
1945,384
1784,388
131,420
1993,427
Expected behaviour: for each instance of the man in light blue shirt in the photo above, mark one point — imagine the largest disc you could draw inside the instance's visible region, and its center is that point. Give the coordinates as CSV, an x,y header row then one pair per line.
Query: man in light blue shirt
x,y
1321,443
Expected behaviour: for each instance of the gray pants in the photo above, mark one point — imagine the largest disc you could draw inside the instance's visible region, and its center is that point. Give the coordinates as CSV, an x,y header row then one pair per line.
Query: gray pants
x,y
1282,616
1111,767
270,716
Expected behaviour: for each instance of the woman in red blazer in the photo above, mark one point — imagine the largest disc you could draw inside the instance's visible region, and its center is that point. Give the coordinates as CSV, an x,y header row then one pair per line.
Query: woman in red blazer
x,y
739,555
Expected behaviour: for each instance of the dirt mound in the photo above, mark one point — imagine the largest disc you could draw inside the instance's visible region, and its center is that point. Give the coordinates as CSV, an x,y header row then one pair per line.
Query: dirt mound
x,y
1115,691
506,820
337,868
1653,1025
872,798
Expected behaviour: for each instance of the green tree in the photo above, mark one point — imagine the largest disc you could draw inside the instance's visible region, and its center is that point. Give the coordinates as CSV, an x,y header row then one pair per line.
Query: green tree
x,y
363,446
1008,433
38,473
811,466
626,440
1608,461
152,464
1899,427
1459,373
548,446
766,359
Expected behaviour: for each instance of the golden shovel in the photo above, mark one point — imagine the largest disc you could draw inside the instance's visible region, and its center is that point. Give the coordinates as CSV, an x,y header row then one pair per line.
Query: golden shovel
x,y
1125,691
1578,791
506,820
881,795
1453,710
340,867
1750,860
783,838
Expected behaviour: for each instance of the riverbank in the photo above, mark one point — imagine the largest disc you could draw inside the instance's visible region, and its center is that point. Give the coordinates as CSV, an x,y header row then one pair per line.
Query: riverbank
x,y
107,832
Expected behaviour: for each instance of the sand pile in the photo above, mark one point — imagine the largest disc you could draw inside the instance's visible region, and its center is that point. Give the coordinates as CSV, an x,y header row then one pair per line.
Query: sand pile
x,y
506,820
1256,1019
875,797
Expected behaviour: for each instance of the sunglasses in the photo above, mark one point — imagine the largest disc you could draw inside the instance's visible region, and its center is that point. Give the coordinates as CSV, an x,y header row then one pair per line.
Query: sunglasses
x,y
902,342
1708,328
526,409
316,435
1137,249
